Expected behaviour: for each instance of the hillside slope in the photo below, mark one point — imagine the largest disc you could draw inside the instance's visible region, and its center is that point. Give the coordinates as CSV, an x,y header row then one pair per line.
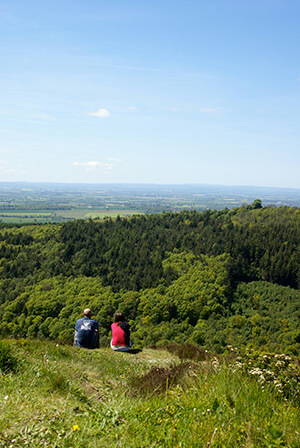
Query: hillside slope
x,y
215,278
59,396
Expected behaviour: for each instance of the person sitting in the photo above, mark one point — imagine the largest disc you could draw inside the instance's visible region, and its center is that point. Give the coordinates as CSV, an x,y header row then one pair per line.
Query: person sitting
x,y
120,330
86,331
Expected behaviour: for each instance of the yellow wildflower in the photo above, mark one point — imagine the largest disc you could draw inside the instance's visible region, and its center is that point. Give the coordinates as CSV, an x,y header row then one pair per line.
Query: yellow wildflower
x,y
75,428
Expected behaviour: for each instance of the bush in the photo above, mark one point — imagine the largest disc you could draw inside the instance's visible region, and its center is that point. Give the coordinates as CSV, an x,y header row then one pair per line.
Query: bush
x,y
279,371
186,351
159,379
8,363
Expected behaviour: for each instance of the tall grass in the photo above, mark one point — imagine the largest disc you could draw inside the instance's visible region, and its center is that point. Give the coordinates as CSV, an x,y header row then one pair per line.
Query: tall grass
x,y
67,397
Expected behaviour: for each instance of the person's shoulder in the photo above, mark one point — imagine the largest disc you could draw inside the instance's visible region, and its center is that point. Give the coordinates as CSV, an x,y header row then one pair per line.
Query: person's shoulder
x,y
79,320
78,323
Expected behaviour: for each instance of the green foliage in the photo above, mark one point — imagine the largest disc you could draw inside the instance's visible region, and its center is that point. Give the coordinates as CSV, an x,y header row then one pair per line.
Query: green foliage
x,y
202,290
128,253
197,306
210,278
50,308
278,371
8,362
265,316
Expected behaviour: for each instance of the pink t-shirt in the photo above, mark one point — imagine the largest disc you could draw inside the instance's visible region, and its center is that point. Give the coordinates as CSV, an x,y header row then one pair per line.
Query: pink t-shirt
x,y
118,335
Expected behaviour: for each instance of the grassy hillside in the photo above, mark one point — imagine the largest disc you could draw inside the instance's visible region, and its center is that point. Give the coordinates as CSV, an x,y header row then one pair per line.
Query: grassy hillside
x,y
59,396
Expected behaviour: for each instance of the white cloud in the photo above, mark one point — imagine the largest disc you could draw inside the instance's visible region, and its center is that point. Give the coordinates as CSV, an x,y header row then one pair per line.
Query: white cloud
x,y
94,164
43,116
6,170
87,164
100,113
114,159
173,109
209,110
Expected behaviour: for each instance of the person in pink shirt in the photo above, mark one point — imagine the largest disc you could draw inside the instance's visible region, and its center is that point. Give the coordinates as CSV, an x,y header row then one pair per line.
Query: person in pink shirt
x,y
120,330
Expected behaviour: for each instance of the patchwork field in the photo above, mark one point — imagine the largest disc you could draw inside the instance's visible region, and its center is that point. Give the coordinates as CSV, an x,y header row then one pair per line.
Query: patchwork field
x,y
52,216
41,202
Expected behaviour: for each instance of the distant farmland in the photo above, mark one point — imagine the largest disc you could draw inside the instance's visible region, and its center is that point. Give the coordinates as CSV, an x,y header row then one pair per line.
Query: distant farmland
x,y
44,216
39,203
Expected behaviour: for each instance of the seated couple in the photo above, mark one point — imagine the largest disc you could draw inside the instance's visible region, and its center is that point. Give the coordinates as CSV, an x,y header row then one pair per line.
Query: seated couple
x,y
87,332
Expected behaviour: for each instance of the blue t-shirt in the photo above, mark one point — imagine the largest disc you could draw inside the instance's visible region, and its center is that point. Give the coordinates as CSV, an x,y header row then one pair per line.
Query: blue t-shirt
x,y
86,333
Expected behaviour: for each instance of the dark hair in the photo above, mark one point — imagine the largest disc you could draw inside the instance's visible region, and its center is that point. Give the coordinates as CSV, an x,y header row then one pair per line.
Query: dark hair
x,y
119,317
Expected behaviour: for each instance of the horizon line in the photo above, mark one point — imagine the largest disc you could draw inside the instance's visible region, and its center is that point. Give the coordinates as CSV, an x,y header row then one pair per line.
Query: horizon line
x,y
184,184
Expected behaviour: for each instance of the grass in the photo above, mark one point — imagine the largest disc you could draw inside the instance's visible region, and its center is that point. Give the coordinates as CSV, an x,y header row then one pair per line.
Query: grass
x,y
63,397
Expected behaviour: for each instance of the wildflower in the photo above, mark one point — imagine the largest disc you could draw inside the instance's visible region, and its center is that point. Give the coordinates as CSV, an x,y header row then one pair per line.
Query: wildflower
x,y
215,363
256,371
75,428
6,397
238,365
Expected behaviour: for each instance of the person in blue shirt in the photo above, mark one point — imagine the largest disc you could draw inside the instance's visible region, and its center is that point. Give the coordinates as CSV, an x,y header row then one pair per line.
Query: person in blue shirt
x,y
86,331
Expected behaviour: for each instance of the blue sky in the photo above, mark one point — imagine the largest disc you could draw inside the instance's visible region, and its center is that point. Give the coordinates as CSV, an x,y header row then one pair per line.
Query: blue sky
x,y
155,91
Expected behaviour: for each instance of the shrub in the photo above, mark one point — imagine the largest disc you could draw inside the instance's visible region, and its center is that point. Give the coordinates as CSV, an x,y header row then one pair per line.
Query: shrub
x,y
159,379
8,362
279,371
186,351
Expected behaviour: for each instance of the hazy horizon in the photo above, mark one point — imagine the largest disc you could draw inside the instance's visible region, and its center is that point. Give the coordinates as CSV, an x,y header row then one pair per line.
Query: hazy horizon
x,y
149,184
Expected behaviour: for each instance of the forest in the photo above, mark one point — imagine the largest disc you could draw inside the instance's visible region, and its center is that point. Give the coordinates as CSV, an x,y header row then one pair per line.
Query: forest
x,y
214,278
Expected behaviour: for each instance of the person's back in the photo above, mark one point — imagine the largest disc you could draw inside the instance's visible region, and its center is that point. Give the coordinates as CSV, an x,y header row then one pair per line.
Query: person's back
x,y
87,331
120,333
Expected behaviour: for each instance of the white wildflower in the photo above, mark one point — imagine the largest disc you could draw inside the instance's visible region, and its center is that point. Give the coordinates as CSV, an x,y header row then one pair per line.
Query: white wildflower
x,y
279,363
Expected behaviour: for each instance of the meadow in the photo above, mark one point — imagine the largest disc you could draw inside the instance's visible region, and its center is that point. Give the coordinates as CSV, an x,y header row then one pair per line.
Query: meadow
x,y
57,396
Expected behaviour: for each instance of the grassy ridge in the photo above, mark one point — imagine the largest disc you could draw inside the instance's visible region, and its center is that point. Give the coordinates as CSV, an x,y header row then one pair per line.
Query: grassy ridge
x,y
63,397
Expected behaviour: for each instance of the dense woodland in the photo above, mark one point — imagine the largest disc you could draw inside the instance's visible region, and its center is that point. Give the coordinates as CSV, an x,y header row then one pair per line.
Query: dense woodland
x,y
212,278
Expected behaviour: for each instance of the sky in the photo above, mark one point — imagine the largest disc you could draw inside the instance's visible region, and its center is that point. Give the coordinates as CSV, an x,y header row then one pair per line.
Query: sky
x,y
159,91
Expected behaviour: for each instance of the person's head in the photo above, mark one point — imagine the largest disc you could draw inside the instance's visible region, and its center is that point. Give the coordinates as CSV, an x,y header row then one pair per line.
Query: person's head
x,y
87,312
119,317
